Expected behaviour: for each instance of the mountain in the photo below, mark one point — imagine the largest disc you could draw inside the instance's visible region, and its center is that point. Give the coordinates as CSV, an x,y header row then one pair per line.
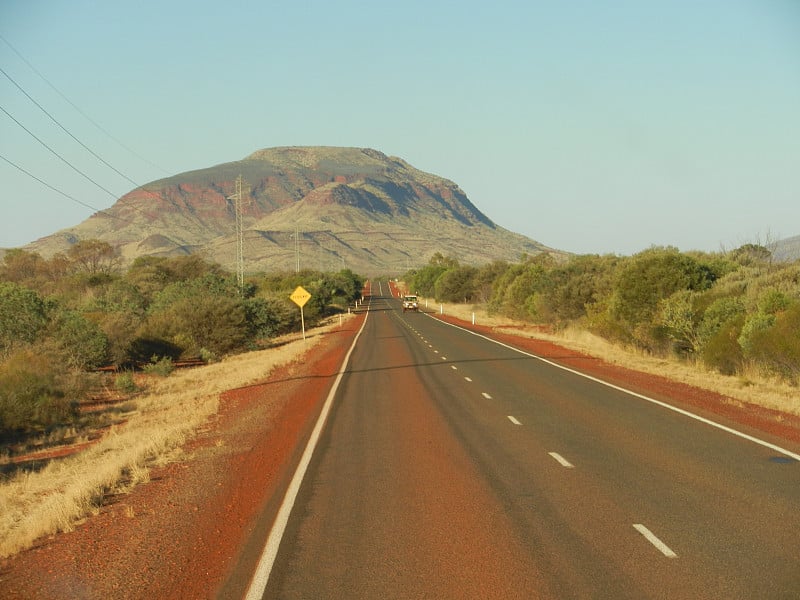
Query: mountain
x,y
350,207
787,249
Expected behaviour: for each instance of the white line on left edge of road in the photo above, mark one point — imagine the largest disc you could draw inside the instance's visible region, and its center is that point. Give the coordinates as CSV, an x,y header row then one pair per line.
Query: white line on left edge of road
x,y
686,413
261,576
650,536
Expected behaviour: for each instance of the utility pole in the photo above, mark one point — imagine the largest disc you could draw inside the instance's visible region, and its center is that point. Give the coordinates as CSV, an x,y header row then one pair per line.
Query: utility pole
x,y
296,250
238,201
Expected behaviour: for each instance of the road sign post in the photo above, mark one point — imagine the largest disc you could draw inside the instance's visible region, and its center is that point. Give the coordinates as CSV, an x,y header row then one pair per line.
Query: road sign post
x,y
300,296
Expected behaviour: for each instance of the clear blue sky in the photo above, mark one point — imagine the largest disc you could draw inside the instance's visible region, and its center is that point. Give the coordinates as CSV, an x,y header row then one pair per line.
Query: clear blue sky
x,y
593,127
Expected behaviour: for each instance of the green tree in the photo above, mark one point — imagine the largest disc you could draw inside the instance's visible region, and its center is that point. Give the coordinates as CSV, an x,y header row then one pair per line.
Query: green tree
x,y
456,284
521,287
573,287
23,316
80,340
720,313
21,266
647,279
679,315
269,317
93,257
752,254
485,280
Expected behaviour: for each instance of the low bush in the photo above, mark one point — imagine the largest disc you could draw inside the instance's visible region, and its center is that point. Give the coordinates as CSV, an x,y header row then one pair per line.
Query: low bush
x,y
33,393
776,349
124,383
162,367
722,351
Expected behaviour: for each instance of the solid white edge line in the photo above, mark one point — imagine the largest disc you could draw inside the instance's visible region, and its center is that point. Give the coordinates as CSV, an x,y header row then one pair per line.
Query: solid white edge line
x,y
681,411
258,584
561,460
650,536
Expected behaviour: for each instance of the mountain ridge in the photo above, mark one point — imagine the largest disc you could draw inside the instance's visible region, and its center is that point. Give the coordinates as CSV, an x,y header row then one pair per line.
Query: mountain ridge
x,y
324,206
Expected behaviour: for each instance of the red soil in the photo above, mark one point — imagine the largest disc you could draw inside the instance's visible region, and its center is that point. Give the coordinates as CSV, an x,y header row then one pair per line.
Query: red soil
x,y
179,535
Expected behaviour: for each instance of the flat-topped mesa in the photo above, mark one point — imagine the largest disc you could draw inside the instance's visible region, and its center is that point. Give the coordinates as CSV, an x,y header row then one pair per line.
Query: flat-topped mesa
x,y
354,206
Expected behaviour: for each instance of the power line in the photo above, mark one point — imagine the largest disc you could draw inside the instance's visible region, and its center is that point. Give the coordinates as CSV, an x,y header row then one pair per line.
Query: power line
x,y
64,160
69,133
238,195
52,118
55,189
82,113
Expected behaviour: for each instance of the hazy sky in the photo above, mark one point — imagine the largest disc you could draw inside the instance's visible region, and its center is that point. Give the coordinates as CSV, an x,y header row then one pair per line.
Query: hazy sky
x,y
591,126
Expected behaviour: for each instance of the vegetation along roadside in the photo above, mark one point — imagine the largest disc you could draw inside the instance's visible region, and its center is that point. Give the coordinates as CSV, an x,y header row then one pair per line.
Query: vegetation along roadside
x,y
727,321
87,359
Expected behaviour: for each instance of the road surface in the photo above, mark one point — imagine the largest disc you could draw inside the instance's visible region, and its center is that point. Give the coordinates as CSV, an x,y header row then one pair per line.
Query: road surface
x,y
451,466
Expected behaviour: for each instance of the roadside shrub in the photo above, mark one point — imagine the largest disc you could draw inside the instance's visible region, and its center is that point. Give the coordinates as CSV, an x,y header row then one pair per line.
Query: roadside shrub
x,y
485,278
679,316
773,301
645,281
575,286
753,327
23,316
124,383
776,348
268,317
208,356
162,367
201,313
423,280
32,393
120,330
456,284
722,351
719,313
82,341
516,286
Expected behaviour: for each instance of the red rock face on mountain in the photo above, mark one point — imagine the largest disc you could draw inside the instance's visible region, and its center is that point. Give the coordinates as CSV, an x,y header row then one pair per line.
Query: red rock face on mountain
x,y
328,207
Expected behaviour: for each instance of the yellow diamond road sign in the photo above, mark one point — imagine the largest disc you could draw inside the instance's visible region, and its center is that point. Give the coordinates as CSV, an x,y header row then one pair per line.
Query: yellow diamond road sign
x,y
300,296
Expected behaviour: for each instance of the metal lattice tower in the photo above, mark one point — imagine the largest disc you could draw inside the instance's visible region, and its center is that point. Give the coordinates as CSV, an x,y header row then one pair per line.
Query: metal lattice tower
x,y
238,204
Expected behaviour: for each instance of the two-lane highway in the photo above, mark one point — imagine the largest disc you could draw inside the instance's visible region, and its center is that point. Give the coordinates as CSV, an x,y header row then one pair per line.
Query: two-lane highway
x,y
451,466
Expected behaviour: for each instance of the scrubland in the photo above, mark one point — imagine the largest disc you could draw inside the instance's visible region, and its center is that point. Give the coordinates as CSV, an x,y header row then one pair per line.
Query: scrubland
x,y
164,416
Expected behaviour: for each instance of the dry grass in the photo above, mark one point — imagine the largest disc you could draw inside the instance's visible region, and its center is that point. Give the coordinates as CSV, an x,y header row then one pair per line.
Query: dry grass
x,y
749,387
37,504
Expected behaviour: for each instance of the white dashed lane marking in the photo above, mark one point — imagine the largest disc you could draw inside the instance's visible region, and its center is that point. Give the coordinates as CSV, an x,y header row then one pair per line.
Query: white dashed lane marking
x,y
651,537
561,460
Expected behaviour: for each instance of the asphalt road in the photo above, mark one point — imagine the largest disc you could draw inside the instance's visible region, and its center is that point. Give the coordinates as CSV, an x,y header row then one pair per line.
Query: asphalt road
x,y
454,467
